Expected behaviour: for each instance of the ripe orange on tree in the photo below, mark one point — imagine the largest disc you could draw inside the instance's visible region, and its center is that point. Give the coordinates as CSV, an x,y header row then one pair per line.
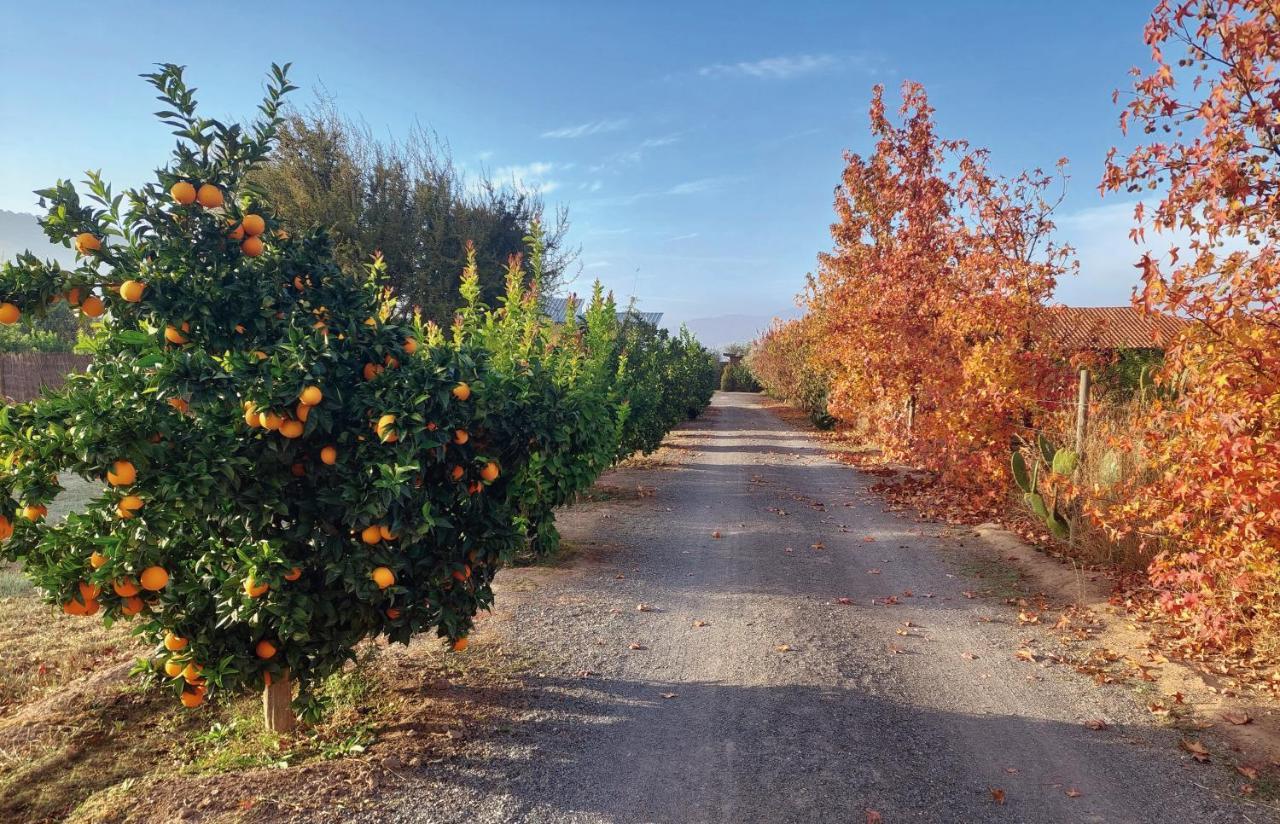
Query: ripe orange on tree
x,y
92,307
154,578
183,193
252,246
87,242
122,473
129,506
383,577
125,587
9,314
209,196
130,290
253,225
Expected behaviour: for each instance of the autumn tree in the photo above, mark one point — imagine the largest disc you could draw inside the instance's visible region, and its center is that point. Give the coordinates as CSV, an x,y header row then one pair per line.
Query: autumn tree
x,y
1206,114
929,310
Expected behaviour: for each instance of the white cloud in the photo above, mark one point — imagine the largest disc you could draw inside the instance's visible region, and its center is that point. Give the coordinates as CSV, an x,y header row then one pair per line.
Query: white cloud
x,y
531,177
775,68
689,236
586,129
693,187
688,187
632,156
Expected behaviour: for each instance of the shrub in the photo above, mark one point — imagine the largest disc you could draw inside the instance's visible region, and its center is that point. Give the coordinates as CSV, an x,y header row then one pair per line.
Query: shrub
x,y
736,377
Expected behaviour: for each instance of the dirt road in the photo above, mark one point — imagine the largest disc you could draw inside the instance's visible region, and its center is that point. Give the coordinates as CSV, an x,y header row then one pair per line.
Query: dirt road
x,y
746,691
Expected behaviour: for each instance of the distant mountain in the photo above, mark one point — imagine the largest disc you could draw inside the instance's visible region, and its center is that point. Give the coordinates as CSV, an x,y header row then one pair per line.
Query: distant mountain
x,y
19,232
720,330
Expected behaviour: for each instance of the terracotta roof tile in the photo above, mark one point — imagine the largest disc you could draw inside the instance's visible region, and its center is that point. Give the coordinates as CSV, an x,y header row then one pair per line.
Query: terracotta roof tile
x,y
1113,327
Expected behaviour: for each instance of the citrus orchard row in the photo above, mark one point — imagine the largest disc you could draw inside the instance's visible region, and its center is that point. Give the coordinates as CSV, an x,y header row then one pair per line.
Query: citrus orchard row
x,y
291,461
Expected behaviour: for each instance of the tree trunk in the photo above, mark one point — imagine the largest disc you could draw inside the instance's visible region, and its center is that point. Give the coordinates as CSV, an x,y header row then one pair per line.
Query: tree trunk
x,y
277,704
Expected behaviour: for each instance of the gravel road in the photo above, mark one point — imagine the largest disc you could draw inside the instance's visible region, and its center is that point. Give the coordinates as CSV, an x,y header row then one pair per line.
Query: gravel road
x,y
746,691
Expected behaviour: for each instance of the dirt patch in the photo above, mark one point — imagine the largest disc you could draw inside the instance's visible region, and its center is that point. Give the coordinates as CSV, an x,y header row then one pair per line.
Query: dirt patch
x,y
1105,639
81,739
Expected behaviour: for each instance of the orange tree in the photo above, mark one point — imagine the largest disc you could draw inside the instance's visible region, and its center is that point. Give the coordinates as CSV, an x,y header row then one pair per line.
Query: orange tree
x,y
596,389
287,470
567,378
1209,111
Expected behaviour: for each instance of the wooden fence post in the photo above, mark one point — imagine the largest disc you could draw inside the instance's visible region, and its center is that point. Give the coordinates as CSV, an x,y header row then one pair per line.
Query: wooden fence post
x,y
1082,411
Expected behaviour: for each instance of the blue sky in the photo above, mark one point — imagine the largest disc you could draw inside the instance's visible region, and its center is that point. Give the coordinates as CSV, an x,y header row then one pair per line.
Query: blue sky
x,y
696,143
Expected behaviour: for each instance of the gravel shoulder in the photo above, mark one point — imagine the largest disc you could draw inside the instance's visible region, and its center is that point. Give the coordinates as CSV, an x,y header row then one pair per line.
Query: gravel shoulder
x,y
743,633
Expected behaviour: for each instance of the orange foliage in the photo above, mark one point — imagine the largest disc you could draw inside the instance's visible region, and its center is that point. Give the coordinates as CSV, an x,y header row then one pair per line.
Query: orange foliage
x,y
930,308
1211,107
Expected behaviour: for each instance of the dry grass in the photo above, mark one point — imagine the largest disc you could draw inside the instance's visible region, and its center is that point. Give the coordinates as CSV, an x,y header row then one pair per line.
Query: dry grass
x,y
1104,469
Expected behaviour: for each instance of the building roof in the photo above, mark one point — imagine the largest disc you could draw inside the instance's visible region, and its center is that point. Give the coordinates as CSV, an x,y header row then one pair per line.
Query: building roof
x,y
1113,327
555,309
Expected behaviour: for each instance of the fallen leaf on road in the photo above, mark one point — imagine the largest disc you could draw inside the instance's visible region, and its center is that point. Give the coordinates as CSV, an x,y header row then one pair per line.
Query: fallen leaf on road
x,y
1236,717
873,572
668,695
818,546
1026,654
844,602
619,577
870,539
1096,724
1247,771
1012,770
636,646
969,655
873,817
1198,751
586,673
1074,793
783,648
644,607
997,795
1025,617
897,650
908,623
701,623
715,534
969,594
1157,708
